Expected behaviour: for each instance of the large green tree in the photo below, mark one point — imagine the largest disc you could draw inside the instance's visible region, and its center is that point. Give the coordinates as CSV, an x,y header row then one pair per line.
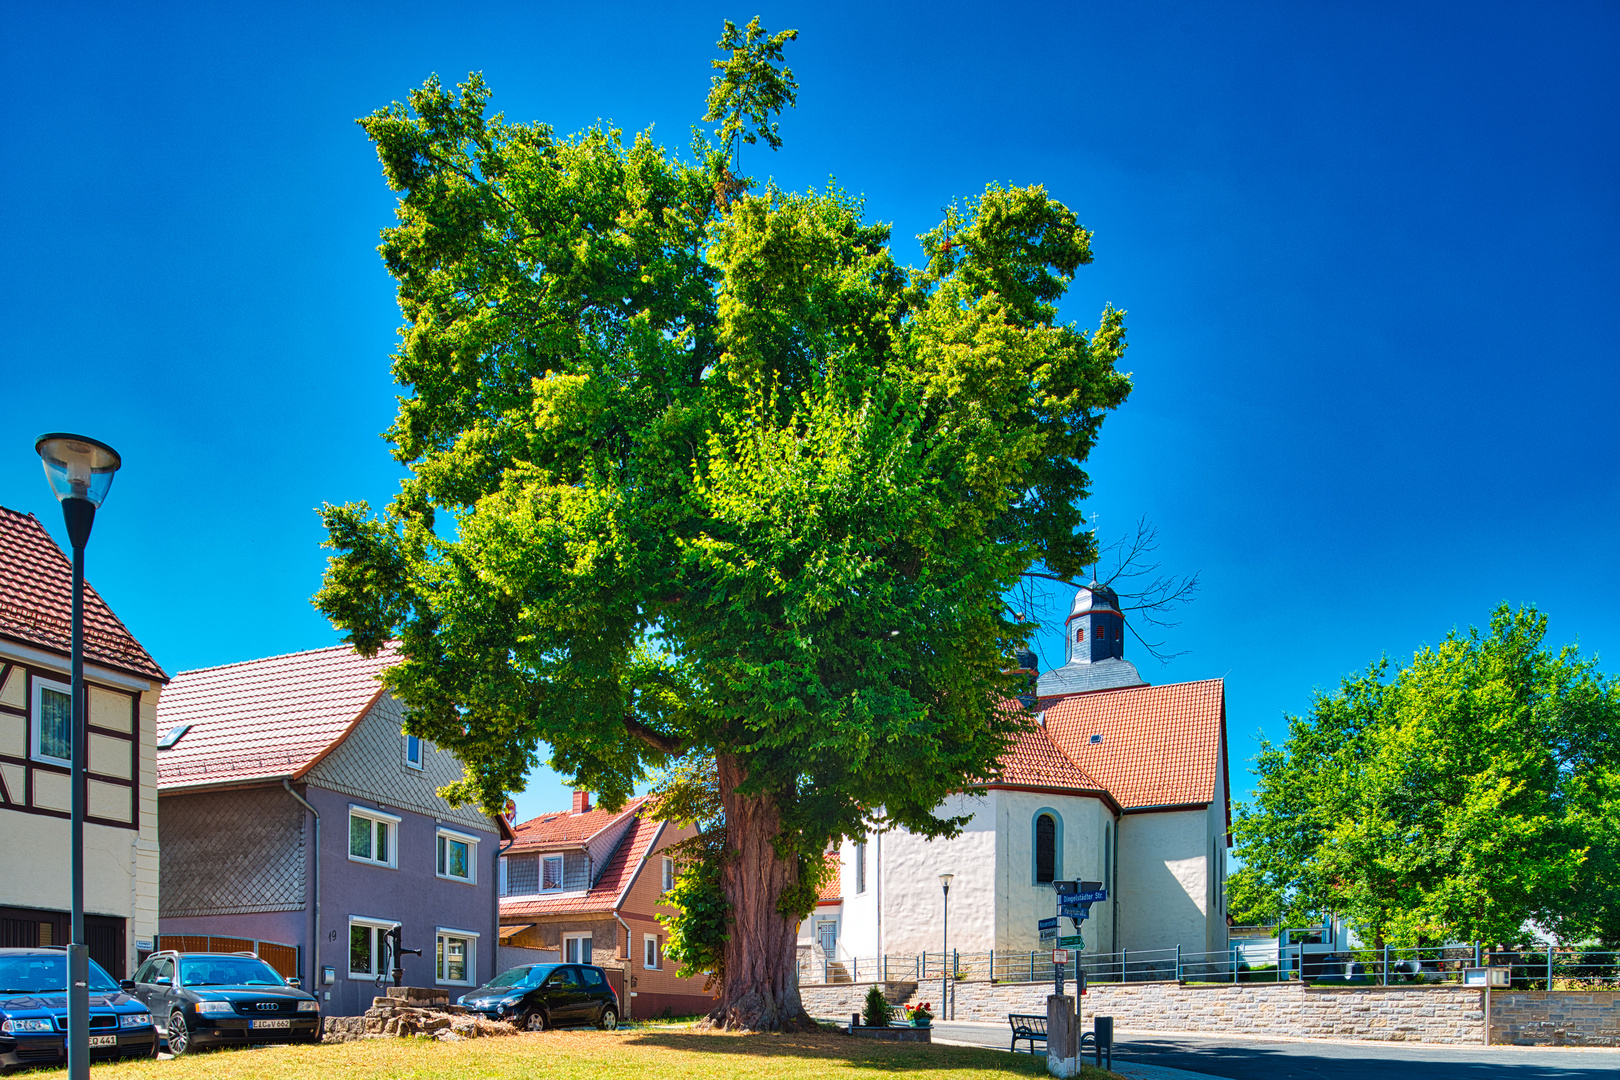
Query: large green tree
x,y
1475,790
698,471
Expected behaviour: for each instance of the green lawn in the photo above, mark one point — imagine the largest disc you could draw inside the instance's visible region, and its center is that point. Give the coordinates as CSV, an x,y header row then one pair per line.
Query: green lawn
x,y
594,1055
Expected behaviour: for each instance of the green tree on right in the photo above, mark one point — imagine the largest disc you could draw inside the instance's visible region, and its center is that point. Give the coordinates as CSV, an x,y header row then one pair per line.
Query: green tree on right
x,y
1476,790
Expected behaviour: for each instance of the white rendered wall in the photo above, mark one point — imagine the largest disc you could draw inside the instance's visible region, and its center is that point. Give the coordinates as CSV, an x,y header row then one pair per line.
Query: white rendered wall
x,y
1215,829
858,922
1024,903
913,902
1164,879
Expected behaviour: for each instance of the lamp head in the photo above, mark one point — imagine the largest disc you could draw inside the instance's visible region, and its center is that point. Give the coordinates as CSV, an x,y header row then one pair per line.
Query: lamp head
x,y
945,880
77,467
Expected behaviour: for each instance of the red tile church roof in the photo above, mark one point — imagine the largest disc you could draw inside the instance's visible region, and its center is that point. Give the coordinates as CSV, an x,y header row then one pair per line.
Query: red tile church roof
x,y
36,601
1149,746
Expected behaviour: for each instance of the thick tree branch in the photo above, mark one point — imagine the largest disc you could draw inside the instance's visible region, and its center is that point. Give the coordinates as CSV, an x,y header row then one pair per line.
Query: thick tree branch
x,y
655,739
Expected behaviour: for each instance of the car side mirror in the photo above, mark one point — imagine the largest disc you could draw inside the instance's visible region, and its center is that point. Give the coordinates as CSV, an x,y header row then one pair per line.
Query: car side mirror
x,y
295,981
126,984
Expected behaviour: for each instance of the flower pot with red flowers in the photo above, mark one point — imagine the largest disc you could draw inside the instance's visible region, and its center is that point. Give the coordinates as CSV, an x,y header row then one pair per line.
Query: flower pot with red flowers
x,y
920,1015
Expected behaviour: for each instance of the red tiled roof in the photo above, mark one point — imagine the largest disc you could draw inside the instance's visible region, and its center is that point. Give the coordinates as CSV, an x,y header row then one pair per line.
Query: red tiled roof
x,y
36,601
263,719
564,829
607,894
1034,760
833,891
1158,746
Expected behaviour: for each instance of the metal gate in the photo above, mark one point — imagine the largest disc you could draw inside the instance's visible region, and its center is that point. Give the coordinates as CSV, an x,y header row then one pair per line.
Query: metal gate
x,y
30,928
284,958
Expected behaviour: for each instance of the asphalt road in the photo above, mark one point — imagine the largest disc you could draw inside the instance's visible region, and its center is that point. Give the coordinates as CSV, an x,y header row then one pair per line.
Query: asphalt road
x,y
1256,1059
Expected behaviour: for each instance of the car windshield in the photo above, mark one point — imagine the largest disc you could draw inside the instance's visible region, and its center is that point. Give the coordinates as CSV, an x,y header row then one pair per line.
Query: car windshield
x,y
228,971
47,974
518,976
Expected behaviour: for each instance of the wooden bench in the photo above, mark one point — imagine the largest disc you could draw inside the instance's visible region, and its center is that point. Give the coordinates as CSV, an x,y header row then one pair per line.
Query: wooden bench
x,y
1029,1027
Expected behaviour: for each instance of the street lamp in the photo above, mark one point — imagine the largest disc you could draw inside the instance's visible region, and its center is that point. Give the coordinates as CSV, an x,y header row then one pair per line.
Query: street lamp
x,y
80,472
945,951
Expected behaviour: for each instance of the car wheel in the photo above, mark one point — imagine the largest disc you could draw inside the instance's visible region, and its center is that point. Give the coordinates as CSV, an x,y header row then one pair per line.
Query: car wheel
x,y
534,1020
609,1019
179,1034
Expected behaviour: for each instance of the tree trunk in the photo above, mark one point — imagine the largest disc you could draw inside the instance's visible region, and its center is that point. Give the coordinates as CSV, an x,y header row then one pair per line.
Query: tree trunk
x,y
761,988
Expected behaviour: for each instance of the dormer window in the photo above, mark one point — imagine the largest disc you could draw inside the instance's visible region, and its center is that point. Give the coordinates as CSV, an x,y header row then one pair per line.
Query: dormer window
x,y
413,751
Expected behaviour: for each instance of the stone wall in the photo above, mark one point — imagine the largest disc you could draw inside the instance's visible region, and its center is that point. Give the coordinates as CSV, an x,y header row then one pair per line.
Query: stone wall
x,y
838,1000
1426,1014
1560,1018
1430,1014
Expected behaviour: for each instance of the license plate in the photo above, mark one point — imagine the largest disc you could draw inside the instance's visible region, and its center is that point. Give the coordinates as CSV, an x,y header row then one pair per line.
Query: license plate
x,y
272,1023
103,1040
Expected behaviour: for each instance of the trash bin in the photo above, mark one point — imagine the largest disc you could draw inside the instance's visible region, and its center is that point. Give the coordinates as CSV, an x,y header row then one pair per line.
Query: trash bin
x,y
1104,1040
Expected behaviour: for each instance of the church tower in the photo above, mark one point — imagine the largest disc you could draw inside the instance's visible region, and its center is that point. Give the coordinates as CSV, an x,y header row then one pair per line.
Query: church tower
x,y
1096,627
1094,636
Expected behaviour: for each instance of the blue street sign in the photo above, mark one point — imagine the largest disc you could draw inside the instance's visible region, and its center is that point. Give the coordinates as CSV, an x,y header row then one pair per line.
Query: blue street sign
x,y
1048,924
1087,897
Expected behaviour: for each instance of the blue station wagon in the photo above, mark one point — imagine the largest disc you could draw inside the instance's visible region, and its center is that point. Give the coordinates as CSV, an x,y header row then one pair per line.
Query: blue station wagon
x,y
33,1013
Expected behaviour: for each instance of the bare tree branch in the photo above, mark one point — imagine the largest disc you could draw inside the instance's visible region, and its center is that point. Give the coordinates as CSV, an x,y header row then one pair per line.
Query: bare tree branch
x,y
1151,600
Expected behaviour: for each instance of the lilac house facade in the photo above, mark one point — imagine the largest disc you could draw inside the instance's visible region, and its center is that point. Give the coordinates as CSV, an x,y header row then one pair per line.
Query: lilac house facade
x,y
297,820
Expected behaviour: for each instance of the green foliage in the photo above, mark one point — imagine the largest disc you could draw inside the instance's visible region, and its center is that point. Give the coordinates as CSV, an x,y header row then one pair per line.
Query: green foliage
x,y
688,794
694,476
1477,789
752,86
878,1012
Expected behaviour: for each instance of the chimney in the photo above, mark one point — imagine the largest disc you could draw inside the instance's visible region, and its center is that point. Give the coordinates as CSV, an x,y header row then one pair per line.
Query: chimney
x,y
582,801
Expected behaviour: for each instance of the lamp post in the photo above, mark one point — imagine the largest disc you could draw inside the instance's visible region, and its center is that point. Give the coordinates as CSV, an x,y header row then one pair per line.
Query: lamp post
x,y
80,472
945,951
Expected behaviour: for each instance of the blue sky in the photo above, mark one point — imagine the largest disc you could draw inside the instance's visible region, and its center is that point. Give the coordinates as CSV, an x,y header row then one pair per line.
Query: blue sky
x,y
1367,251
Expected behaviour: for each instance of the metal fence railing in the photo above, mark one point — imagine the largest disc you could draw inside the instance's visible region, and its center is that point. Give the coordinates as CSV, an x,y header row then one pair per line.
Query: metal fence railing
x,y
1534,967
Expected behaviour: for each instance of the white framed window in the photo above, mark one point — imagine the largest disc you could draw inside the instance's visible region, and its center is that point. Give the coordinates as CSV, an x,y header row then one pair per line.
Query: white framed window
x,y
52,717
454,957
413,751
551,876
576,948
652,952
457,856
860,867
373,836
669,873
366,946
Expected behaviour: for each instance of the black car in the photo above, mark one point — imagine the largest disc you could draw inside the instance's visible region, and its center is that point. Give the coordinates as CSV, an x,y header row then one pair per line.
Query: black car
x,y
224,999
33,1013
541,996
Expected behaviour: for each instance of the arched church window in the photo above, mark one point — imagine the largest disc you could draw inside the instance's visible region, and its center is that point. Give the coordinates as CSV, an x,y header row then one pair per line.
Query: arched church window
x,y
1080,635
1045,849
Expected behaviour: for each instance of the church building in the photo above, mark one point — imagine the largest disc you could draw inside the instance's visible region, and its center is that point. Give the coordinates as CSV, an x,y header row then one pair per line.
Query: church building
x,y
1113,781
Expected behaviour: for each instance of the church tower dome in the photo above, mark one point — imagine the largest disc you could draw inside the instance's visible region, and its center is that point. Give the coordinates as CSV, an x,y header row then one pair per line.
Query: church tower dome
x,y
1094,646
1095,628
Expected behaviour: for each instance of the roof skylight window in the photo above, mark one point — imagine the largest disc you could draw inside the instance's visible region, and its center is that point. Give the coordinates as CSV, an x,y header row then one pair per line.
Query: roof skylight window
x,y
172,736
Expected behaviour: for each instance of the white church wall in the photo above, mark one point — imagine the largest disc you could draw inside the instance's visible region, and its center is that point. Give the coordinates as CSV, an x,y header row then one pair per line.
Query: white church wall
x,y
913,903
858,934
1164,879
1082,821
1215,829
